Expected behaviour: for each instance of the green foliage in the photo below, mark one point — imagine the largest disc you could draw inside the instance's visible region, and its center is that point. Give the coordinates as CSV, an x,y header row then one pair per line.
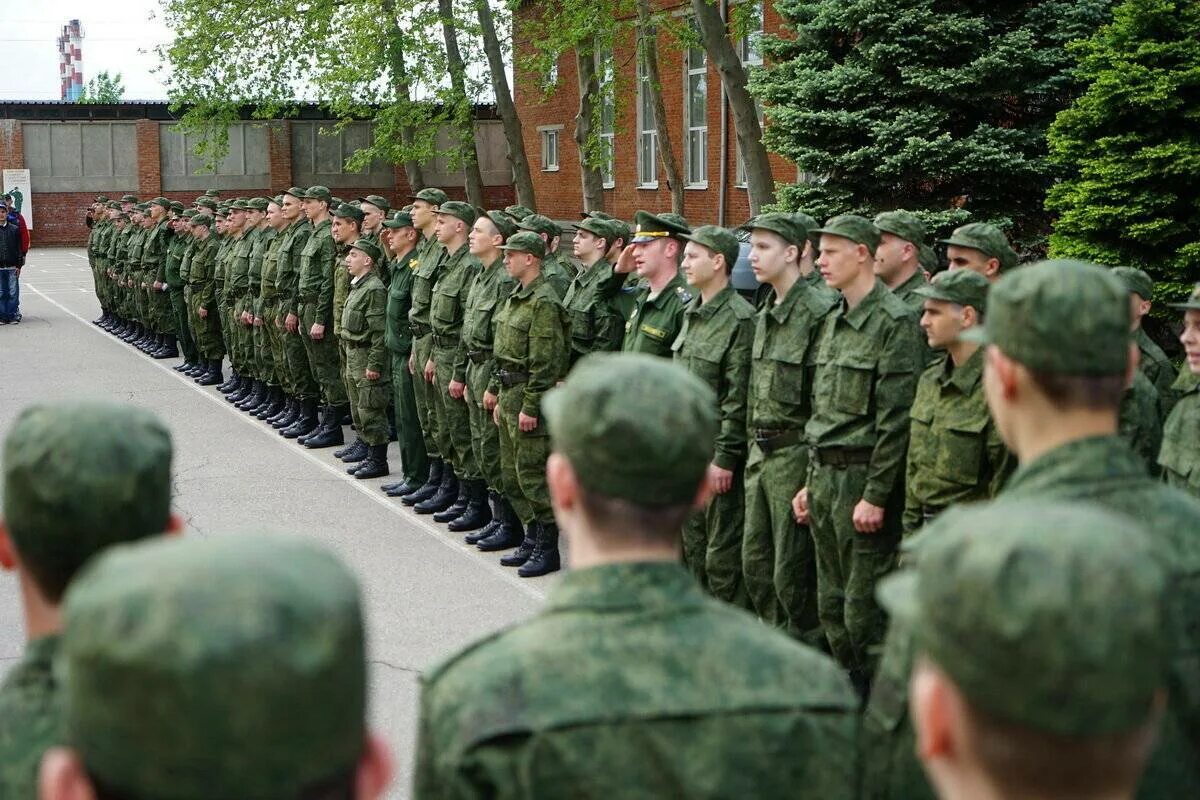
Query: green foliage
x,y
1131,146
103,88
935,106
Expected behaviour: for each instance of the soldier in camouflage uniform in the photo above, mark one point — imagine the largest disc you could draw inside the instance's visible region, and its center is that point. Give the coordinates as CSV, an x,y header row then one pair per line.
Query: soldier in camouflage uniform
x,y
301,415
375,210
557,271
264,288
532,354
1180,455
955,454
631,676
201,616
175,279
1055,405
345,228
158,303
368,366
714,345
205,318
867,363
656,310
982,248
1153,362
595,323
898,257
78,478
253,387
1053,691
139,336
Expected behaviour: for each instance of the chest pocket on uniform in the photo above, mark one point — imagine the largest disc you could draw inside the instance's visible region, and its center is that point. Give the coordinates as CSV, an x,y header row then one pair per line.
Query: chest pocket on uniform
x,y
354,320
445,305
960,449
700,364
1177,457
788,385
512,333
852,384
583,323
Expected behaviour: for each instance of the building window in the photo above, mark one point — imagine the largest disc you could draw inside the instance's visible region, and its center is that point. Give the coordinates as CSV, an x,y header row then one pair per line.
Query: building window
x,y
608,114
550,136
550,79
647,131
750,51
695,108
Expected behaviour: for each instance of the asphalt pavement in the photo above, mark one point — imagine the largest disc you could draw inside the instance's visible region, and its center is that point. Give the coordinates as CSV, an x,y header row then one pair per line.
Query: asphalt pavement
x,y
426,593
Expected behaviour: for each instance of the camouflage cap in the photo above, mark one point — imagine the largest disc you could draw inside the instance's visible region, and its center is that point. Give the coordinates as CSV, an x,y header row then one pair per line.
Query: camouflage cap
x,y
928,259
987,239
518,212
784,225
188,214
257,204
238,205
318,193
129,198
809,223
177,206
296,192
539,224
1048,615
102,198
597,226
961,286
459,210
634,427
431,195
162,202
1059,316
347,211
859,230
213,192
80,476
115,205
370,248
621,230
505,224
717,239
651,227
1193,301
206,202
400,219
905,224
230,666
378,201
1137,281
595,215
202,220
526,242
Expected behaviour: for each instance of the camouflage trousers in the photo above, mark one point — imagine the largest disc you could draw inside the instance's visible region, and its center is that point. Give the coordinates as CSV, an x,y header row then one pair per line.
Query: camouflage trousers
x,y
485,434
414,462
454,419
323,357
523,461
712,545
207,331
179,309
300,377
777,552
161,311
849,564
890,768
422,349
266,345
369,399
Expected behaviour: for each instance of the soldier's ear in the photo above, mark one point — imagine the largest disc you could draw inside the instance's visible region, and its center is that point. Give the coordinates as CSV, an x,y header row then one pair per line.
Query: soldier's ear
x,y
562,483
63,777
932,707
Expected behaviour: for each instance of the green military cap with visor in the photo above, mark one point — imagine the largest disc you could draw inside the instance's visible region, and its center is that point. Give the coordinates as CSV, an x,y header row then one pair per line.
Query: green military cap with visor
x,y
525,242
597,226
318,193
213,192
1137,281
296,192
1045,615
505,224
652,227
1193,301
809,224
161,201
238,205
1059,316
224,667
987,239
347,211
206,202
400,219
634,427
257,204
177,207
717,239
963,287
202,220
431,195
101,198
378,201
905,224
129,198
518,212
540,224
595,215
459,210
114,204
370,248
222,211
141,208
785,225
188,213
859,230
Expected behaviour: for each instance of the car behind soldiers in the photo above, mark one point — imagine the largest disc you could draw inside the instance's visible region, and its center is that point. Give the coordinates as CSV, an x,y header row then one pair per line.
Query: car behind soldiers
x,y
1180,455
955,454
980,247
1041,652
1054,403
657,311
634,680
78,478
867,360
714,345
185,684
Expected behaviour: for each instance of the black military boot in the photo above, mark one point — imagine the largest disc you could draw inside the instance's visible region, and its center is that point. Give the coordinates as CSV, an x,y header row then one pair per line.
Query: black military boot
x,y
407,486
444,497
494,524
322,419
330,434
213,376
356,451
291,409
129,332
253,398
169,348
240,392
376,465
429,487
272,403
281,409
305,422
198,368
527,545
231,384
510,532
544,559
459,505
476,514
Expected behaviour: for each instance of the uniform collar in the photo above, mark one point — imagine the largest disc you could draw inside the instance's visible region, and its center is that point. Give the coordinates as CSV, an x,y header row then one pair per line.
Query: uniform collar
x,y
856,316
526,291
704,310
966,376
673,287
1081,461
914,280
623,587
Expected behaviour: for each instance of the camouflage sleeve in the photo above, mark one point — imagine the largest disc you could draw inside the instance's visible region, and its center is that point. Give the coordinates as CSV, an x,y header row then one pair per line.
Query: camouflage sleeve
x,y
327,257
731,438
895,387
547,347
910,518
378,356
202,264
458,366
1000,460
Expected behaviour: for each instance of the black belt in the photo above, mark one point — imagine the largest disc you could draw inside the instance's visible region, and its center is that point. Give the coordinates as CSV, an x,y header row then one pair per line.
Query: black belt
x,y
446,342
356,345
419,329
842,457
508,379
769,440
479,356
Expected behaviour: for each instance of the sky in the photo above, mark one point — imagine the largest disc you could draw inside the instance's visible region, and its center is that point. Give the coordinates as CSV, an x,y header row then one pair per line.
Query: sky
x,y
118,36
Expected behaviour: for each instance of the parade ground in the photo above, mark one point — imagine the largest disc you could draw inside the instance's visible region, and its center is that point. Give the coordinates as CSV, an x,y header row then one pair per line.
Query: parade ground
x,y
426,593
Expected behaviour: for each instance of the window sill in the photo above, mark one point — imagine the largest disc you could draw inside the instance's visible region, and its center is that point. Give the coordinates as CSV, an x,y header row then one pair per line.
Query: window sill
x,y
696,186
650,187
549,169
608,185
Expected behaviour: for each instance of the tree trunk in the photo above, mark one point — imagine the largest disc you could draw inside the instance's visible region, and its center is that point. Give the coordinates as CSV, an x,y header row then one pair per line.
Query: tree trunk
x,y
589,90
513,137
665,148
759,180
395,50
466,129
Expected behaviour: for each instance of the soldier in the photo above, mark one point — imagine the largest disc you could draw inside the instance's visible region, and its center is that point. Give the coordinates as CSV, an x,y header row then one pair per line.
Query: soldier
x,y
980,247
1048,680
301,416
1054,404
557,271
867,365
1180,456
158,303
176,654
714,345
400,241
241,301
264,286
367,363
618,676
898,257
231,219
777,553
202,290
595,322
1154,362
175,279
532,354
345,228
955,454
78,478
656,313
375,210
518,212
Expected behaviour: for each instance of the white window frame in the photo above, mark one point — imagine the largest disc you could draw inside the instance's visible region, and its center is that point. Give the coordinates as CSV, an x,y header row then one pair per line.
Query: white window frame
x,y
647,132
750,59
550,136
693,132
605,72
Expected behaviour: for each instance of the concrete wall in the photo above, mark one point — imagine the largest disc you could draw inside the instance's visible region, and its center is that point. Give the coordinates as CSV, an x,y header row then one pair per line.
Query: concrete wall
x,y
80,156
246,165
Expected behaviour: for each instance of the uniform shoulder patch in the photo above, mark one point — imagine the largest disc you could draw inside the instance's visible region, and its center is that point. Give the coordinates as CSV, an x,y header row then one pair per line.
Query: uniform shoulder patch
x,y
896,308
684,294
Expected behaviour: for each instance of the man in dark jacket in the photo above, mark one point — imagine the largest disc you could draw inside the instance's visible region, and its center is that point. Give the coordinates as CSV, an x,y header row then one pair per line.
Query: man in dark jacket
x,y
12,258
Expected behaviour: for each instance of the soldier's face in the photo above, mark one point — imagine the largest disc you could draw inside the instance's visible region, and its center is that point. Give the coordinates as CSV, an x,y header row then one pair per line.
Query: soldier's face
x,y
422,213
516,263
942,322
651,258
157,212
291,208
448,228
770,255
372,216
700,265
312,208
1190,339
358,262
972,259
274,215
587,247
484,237
343,230
840,261
891,255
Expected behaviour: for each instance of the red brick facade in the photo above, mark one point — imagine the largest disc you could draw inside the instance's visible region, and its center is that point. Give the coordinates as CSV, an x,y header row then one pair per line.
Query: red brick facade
x,y
560,195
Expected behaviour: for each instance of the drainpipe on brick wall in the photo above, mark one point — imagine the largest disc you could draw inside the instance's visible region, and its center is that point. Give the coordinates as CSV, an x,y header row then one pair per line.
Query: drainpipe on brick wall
x,y
723,169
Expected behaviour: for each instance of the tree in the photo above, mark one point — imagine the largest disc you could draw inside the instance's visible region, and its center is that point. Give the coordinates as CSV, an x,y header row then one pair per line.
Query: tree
x,y
103,88
937,107
648,52
464,123
1131,146
513,136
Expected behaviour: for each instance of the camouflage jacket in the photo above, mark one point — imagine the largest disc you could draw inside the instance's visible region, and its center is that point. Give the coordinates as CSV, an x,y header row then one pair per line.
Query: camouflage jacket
x,y
654,323
1180,453
559,273
399,334
1140,423
200,275
446,309
632,683
154,252
174,261
531,338
269,292
287,268
489,289
317,264
341,285
905,293
1159,369
31,718
364,319
595,323
430,255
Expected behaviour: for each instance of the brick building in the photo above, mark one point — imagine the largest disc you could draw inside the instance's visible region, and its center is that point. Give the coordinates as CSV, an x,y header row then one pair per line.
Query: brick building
x,y
74,152
701,128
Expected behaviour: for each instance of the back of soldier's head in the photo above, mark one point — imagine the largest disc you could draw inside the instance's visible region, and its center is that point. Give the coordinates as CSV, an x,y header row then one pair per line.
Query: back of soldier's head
x,y
230,666
639,434
79,477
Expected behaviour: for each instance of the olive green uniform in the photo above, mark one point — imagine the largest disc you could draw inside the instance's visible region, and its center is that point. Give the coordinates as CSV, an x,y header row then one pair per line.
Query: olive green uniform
x,y
489,289
301,383
258,342
174,278
31,717
269,335
1158,368
364,319
154,257
1139,422
1180,454
595,323
430,255
906,293
654,322
314,295
446,308
203,296
414,461
237,291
